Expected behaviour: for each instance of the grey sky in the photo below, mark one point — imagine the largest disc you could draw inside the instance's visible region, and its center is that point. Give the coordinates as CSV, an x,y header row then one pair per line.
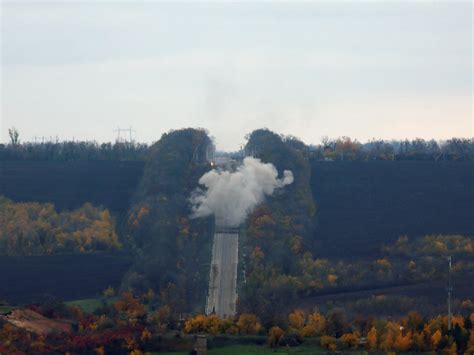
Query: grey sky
x,y
385,70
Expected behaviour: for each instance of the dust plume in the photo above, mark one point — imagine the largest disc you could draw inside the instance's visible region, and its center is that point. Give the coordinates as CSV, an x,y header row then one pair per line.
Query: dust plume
x,y
231,196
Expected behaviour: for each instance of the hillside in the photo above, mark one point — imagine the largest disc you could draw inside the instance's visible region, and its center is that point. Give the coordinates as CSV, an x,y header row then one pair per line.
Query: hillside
x,y
172,250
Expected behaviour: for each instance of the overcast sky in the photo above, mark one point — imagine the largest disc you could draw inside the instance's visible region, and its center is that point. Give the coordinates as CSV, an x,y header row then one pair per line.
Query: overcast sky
x,y
384,70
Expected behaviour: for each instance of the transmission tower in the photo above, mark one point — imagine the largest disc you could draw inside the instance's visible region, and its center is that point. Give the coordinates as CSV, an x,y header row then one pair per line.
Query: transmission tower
x,y
123,138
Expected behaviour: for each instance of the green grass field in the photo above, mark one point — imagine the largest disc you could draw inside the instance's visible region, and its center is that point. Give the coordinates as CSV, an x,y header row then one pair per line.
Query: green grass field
x,y
5,309
89,305
254,350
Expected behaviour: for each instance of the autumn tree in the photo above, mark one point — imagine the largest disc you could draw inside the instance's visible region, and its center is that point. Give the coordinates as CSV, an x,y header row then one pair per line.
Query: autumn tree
x,y
371,343
109,292
37,228
403,342
350,340
390,333
315,326
436,339
248,324
202,323
419,343
470,344
414,321
328,342
297,320
161,319
130,307
275,335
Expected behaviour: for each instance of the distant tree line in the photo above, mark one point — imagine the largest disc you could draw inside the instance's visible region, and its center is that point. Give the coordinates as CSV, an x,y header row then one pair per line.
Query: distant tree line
x,y
347,149
71,150
339,149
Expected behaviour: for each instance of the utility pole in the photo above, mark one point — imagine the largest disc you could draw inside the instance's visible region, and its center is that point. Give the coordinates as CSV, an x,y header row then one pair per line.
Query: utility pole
x,y
449,288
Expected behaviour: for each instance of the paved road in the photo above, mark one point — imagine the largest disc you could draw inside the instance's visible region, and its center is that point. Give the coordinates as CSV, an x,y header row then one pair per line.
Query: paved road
x,y
222,294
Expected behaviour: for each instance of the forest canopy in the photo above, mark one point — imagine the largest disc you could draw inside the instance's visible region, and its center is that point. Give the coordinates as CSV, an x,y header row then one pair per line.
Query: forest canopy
x,y
38,229
172,250
73,150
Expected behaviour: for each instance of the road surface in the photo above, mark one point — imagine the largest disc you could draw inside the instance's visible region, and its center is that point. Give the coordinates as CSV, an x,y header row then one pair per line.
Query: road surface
x,y
222,294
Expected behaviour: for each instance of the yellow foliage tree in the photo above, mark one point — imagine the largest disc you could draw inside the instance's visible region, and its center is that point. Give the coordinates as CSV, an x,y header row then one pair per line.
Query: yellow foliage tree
x,y
436,338
315,325
371,339
418,341
470,344
109,292
275,335
206,324
383,263
387,339
403,342
195,324
130,305
332,279
328,342
248,324
350,340
36,228
146,335
451,349
297,319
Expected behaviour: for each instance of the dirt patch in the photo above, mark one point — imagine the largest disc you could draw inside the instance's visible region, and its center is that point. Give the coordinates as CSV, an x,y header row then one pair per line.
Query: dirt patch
x,y
34,322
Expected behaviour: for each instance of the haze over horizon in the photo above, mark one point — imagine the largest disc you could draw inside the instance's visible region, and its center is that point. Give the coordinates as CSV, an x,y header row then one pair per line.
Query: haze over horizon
x,y
364,70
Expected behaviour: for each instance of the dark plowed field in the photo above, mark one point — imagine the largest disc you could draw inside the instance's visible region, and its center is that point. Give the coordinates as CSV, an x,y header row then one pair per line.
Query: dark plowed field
x,y
426,297
30,278
360,204
70,184
364,204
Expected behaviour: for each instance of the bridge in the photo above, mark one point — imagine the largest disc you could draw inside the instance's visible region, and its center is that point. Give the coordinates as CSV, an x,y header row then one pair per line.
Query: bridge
x,y
222,294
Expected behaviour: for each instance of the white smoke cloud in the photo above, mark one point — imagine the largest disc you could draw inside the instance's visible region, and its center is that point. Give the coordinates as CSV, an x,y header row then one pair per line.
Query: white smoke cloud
x,y
231,196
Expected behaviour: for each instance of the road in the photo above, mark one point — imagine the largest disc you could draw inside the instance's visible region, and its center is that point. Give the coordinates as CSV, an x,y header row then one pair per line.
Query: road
x,y
222,294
